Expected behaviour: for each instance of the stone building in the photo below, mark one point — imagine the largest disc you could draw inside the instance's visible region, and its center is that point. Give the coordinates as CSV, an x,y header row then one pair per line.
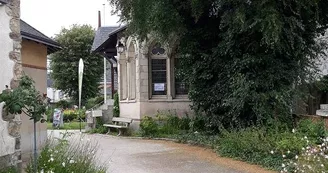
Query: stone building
x,y
10,71
23,49
147,80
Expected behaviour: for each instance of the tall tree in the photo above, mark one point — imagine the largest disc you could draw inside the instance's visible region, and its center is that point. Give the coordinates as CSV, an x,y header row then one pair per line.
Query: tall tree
x,y
242,58
76,43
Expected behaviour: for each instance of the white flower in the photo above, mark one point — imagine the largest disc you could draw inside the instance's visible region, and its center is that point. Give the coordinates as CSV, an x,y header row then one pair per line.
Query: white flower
x,y
305,137
322,165
293,130
272,152
283,156
51,159
283,165
296,157
63,164
288,151
71,161
41,171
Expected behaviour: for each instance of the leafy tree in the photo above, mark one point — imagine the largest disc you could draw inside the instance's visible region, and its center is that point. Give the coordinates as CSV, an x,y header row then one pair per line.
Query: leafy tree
x,y
243,59
25,99
76,43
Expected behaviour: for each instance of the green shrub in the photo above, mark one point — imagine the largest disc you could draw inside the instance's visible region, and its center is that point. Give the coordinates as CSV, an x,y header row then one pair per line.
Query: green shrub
x,y
313,130
148,127
165,124
197,123
64,104
71,115
9,170
251,145
66,156
312,159
99,126
50,114
172,124
91,103
116,106
291,143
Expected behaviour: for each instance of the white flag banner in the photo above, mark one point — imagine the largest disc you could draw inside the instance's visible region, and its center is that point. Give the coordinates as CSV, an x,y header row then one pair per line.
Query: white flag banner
x,y
81,66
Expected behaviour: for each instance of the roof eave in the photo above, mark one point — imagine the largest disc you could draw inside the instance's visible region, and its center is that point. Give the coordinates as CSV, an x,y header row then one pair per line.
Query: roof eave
x,y
54,47
3,2
98,49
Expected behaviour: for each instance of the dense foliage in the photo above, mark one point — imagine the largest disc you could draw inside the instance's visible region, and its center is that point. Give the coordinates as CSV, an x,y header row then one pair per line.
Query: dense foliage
x,y
243,59
76,43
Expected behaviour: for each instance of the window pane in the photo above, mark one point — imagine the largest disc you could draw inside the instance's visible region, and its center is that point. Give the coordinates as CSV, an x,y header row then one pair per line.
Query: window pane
x,y
159,86
181,87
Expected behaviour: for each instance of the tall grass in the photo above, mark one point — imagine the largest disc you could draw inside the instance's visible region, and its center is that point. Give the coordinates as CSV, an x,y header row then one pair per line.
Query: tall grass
x,y
66,155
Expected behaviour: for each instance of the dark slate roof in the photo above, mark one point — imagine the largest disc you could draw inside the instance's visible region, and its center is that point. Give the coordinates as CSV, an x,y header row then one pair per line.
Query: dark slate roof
x,y
30,33
102,35
4,1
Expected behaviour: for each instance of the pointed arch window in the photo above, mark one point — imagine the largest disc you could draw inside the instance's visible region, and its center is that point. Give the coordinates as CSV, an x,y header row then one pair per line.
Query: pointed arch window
x,y
158,66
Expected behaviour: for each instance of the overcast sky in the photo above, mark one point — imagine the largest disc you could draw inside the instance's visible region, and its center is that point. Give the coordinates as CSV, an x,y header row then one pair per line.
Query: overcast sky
x,y
49,16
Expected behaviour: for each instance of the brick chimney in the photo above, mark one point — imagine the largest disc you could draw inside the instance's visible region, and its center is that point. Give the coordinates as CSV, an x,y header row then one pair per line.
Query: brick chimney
x,y
99,19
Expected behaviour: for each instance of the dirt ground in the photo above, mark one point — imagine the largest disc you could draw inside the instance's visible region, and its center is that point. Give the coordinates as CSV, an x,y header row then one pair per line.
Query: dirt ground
x,y
134,155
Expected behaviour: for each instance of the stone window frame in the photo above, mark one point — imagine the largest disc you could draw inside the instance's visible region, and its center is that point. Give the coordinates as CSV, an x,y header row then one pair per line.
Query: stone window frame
x,y
168,83
123,81
170,76
131,78
176,96
128,66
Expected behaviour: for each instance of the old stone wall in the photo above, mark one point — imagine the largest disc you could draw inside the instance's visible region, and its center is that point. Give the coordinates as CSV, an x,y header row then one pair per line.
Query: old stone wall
x,y
10,72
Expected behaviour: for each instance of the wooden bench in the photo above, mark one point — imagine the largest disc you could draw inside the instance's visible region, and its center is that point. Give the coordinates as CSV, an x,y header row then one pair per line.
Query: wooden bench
x,y
119,123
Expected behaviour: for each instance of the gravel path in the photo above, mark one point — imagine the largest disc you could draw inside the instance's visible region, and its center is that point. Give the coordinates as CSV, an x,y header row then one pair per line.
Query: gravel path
x,y
124,155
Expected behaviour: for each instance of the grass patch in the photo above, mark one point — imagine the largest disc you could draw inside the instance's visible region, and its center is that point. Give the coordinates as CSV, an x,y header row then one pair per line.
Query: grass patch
x,y
68,126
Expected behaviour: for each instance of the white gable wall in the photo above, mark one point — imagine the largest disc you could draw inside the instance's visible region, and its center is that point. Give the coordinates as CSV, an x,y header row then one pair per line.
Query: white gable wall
x,y
6,46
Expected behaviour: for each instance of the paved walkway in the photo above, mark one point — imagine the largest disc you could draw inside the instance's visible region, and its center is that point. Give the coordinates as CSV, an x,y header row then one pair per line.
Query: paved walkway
x,y
122,155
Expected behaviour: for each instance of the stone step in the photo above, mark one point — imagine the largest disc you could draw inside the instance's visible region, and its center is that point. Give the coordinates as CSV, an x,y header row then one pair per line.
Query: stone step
x,y
322,112
324,106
